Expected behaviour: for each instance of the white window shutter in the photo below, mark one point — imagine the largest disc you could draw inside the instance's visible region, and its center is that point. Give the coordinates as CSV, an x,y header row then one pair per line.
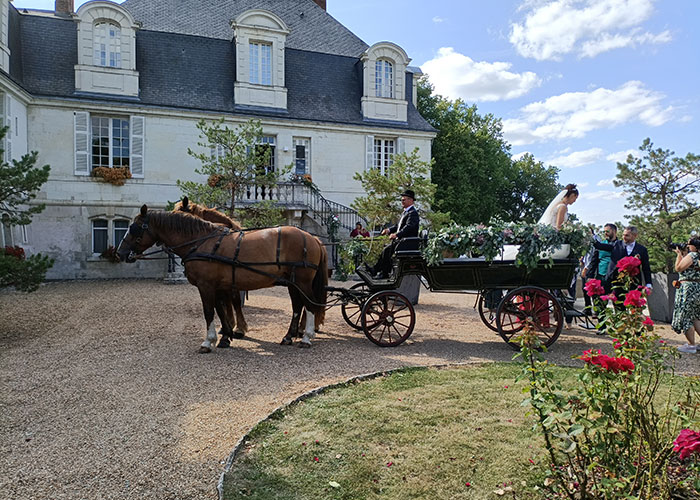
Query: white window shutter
x,y
82,143
137,143
401,146
369,149
10,131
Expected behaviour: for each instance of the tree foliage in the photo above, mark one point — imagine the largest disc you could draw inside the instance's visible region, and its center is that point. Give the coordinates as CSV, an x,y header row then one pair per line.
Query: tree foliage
x,y
19,182
476,178
232,159
533,186
382,204
660,188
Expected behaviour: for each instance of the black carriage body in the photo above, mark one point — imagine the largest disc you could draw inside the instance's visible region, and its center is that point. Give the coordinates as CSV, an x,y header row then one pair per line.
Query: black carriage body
x,y
478,274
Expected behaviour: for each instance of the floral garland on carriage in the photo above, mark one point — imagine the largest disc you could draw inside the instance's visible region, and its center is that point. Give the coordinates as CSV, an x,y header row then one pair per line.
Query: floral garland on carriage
x,y
534,240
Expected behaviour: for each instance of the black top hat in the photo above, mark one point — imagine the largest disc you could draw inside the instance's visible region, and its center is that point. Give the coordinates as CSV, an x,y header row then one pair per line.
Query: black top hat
x,y
409,193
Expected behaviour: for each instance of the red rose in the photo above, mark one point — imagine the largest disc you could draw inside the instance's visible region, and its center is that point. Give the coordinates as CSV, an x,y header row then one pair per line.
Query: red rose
x,y
590,354
629,265
634,298
687,443
594,287
648,321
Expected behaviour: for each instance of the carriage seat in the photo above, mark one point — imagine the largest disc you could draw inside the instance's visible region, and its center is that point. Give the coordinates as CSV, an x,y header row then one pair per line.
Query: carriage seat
x,y
409,247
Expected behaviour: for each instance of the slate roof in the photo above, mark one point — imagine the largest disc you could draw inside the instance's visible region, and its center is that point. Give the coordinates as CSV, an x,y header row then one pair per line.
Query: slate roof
x,y
315,31
197,73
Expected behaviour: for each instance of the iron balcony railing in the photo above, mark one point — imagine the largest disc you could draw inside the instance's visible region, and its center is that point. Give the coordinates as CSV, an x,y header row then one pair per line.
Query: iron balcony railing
x,y
300,196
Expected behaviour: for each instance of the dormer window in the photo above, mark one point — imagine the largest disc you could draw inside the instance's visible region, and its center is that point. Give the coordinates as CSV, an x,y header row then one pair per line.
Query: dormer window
x,y
384,78
107,44
384,83
260,38
106,50
260,63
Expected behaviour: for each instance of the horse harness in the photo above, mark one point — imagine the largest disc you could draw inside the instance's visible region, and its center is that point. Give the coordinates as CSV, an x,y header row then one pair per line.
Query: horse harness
x,y
195,254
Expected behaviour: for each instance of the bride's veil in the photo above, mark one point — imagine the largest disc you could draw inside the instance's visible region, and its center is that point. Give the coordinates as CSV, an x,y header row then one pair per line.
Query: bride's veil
x,y
551,210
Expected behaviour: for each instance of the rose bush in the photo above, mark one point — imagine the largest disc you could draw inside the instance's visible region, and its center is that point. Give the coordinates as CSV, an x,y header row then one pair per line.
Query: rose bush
x,y
612,435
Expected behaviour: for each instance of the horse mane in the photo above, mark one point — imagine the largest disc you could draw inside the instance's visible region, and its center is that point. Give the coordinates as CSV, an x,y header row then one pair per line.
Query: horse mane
x,y
181,222
208,214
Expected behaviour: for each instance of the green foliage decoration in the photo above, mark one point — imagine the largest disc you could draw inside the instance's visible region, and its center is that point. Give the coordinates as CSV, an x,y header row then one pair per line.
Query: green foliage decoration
x,y
612,436
355,251
535,240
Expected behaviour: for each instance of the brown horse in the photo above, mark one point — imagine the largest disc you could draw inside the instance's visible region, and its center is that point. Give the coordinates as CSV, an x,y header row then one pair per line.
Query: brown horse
x,y
212,215
238,322
217,261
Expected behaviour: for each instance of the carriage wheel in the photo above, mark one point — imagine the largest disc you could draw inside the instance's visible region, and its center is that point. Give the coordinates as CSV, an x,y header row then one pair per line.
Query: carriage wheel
x,y
488,317
352,311
535,304
388,318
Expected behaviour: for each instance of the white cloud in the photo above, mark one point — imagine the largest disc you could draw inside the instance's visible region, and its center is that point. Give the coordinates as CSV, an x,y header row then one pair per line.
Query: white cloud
x,y
577,158
605,182
554,28
438,20
686,119
621,156
573,114
603,195
456,75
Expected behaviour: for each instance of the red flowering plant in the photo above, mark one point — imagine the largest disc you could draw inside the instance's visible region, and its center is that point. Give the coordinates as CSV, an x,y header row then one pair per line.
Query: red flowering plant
x,y
612,434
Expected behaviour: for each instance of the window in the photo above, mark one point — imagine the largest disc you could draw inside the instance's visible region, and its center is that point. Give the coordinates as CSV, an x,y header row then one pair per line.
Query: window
x,y
265,144
121,227
110,142
107,45
383,154
384,78
260,63
101,230
301,156
6,234
100,235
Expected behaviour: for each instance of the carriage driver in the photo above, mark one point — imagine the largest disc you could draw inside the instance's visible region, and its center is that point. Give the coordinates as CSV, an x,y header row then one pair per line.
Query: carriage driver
x,y
406,228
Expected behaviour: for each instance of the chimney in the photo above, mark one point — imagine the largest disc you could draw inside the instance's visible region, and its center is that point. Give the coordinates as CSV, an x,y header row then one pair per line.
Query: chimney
x,y
320,3
64,6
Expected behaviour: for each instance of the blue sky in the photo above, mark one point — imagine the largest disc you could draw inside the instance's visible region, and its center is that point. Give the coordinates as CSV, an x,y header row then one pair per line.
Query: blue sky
x,y
577,83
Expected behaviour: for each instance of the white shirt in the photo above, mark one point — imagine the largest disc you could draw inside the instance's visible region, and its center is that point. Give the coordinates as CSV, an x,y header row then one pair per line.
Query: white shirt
x,y
629,247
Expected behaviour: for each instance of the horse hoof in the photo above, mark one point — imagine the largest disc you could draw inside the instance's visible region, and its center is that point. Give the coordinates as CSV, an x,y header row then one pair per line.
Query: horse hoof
x,y
204,350
286,341
238,335
224,344
304,345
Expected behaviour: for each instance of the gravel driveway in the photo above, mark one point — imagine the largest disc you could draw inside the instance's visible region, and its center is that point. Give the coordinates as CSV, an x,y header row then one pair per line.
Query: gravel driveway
x,y
103,394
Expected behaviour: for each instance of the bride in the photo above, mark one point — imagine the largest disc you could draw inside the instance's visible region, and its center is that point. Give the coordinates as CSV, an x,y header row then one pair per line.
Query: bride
x,y
555,215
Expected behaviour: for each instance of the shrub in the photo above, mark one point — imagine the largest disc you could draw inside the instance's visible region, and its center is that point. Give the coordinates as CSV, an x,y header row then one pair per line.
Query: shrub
x,y
613,435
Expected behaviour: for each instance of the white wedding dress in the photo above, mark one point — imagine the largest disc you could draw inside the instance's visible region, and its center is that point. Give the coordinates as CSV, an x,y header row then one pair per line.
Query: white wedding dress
x,y
549,218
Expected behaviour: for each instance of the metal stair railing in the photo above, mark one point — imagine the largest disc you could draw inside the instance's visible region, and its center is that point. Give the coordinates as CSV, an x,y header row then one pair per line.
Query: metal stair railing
x,y
292,194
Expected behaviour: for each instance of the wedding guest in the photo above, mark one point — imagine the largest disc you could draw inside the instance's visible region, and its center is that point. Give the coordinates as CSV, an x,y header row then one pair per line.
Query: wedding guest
x,y
686,309
627,247
359,231
600,263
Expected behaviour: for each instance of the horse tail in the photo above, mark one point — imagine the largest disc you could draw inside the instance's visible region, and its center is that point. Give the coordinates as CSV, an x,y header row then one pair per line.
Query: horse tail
x,y
319,286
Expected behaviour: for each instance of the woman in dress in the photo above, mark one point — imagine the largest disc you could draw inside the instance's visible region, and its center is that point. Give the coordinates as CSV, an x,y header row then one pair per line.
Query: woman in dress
x,y
686,309
557,213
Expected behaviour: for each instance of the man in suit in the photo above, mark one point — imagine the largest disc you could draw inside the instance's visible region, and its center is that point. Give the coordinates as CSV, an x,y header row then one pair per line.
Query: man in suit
x,y
601,261
627,247
407,227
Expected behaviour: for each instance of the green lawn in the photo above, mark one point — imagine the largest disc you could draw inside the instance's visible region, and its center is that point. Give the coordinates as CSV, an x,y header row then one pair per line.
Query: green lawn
x,y
421,433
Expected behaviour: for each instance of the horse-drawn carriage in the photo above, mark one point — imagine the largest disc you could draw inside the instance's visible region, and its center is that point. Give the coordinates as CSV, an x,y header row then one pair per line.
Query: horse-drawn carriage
x,y
223,259
508,296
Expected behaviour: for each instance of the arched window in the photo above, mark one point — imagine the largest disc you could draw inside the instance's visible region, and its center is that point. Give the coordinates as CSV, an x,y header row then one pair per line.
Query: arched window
x,y
384,78
107,45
